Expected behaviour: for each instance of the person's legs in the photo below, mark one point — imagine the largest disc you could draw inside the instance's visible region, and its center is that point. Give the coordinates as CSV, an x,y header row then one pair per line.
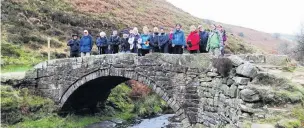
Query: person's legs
x,y
174,50
145,51
82,54
87,54
103,50
140,52
211,51
223,51
74,54
166,48
217,52
115,49
192,51
179,49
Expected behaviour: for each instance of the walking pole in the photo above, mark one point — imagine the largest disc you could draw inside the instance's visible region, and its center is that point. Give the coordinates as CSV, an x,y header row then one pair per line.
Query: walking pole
x,y
49,46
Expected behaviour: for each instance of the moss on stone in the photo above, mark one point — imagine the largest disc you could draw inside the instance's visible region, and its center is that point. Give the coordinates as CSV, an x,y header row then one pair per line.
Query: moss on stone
x,y
289,123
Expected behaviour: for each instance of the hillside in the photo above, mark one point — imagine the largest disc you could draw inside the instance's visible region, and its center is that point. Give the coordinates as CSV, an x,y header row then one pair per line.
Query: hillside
x,y
267,42
26,25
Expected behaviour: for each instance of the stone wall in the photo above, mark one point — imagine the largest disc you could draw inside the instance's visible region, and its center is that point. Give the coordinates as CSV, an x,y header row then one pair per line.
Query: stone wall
x,y
194,86
269,59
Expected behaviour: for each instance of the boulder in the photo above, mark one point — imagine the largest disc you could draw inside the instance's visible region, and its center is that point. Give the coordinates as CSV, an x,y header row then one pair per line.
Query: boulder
x,y
247,70
236,61
249,95
241,80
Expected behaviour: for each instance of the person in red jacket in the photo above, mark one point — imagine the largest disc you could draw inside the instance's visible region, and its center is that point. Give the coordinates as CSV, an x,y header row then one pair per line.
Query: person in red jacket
x,y
193,40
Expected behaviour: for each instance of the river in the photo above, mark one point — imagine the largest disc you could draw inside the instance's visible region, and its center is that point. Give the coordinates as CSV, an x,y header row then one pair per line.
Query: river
x,y
156,122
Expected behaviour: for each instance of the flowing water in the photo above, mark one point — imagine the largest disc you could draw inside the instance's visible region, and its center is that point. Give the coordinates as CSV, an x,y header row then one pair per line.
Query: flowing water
x,y
156,122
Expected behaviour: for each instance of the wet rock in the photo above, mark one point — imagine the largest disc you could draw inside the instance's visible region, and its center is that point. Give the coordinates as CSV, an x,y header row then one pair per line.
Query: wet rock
x,y
103,124
249,95
247,70
117,120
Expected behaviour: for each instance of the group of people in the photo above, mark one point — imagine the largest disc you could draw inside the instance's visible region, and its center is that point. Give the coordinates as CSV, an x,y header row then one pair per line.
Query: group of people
x,y
199,40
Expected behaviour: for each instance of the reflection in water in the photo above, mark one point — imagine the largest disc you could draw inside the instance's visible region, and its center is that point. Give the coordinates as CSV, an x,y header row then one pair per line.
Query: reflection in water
x,y
156,122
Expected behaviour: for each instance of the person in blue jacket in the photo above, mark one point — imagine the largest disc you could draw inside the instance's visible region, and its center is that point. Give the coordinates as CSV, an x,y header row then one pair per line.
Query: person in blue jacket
x,y
178,40
102,44
74,46
204,35
163,41
86,44
144,42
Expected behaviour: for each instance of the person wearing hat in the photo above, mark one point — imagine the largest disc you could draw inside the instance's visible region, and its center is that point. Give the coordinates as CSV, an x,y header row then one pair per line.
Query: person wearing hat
x,y
203,39
178,40
74,46
124,44
86,44
163,41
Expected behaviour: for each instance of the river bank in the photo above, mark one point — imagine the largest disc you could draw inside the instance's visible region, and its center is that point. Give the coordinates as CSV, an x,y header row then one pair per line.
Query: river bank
x,y
22,109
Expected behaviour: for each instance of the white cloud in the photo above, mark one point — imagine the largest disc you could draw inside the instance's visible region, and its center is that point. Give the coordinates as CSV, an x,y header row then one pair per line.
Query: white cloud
x,y
283,16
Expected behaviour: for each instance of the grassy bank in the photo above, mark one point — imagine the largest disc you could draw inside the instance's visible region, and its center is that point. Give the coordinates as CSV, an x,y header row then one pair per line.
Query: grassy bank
x,y
22,109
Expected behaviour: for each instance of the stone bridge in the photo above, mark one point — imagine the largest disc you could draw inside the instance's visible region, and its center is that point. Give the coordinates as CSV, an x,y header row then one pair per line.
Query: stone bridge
x,y
199,88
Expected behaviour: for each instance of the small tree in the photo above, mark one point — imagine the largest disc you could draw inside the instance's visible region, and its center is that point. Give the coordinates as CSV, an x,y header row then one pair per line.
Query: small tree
x,y
299,50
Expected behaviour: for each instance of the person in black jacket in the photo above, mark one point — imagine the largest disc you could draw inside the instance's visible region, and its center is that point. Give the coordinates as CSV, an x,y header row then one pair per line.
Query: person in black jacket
x,y
114,42
204,35
154,40
124,43
74,46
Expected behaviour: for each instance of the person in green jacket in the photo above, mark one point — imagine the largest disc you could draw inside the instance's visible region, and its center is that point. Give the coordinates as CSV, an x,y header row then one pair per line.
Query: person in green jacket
x,y
215,41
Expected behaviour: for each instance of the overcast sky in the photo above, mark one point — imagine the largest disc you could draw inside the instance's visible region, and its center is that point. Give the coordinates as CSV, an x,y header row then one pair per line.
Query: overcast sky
x,y
282,16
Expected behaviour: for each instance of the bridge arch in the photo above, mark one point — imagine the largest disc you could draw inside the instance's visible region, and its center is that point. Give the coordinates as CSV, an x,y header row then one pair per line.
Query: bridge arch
x,y
183,81
114,76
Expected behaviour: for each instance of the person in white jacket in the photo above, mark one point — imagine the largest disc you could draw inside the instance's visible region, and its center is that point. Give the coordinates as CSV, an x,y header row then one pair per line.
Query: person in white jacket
x,y
133,40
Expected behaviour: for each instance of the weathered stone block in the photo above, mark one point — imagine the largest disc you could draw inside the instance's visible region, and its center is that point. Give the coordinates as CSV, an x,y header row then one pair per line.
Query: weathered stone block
x,y
249,95
241,80
247,70
233,91
236,60
212,74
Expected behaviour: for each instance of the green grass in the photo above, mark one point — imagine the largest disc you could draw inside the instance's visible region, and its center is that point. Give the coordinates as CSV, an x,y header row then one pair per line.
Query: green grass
x,y
15,68
55,121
